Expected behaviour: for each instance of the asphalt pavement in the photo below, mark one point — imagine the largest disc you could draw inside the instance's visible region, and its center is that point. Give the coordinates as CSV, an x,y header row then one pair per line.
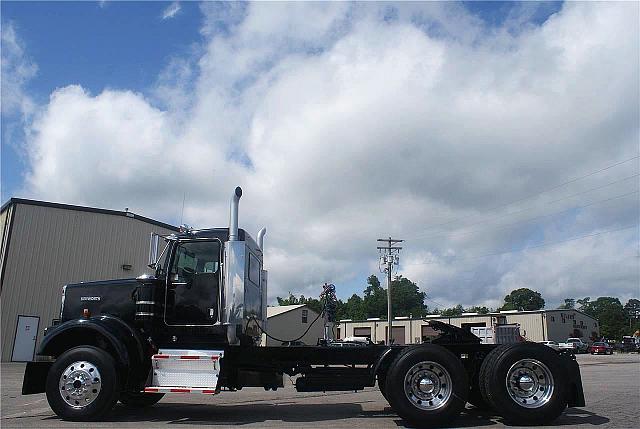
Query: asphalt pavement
x,y
611,385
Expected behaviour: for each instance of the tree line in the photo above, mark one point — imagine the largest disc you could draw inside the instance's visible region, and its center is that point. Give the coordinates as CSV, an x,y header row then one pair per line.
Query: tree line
x,y
615,319
407,300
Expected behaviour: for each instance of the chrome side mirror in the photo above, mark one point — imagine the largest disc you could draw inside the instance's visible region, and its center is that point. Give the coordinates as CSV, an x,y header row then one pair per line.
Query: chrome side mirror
x,y
153,250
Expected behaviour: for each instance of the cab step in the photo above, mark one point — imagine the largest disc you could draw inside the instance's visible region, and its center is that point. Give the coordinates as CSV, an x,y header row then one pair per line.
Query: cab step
x,y
186,370
166,389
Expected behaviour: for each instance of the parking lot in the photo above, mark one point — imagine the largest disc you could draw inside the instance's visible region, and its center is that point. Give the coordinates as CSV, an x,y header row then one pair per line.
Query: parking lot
x,y
611,385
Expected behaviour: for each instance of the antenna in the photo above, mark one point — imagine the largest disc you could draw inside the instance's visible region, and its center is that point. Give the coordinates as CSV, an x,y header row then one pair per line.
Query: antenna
x,y
184,197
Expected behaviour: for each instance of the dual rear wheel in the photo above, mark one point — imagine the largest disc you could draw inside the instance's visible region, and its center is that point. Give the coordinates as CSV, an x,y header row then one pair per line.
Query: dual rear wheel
x,y
427,385
525,383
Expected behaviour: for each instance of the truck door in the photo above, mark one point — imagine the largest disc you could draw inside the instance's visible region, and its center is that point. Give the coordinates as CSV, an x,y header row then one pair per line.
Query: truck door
x,y
193,284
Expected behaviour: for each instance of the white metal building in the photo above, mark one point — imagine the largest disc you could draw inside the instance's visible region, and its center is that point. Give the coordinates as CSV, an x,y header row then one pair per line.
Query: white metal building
x,y
47,245
541,325
289,322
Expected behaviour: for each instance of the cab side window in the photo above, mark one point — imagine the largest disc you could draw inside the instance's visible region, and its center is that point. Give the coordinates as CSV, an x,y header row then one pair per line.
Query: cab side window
x,y
195,258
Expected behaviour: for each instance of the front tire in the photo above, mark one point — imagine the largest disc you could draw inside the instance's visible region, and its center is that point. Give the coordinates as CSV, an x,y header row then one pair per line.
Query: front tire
x,y
82,384
427,385
527,384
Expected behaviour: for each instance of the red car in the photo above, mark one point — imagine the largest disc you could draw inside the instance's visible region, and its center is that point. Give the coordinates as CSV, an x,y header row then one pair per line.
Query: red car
x,y
600,348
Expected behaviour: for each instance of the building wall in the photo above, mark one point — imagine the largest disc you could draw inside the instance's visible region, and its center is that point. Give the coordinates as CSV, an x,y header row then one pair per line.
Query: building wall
x,y
561,324
5,218
51,247
553,325
289,325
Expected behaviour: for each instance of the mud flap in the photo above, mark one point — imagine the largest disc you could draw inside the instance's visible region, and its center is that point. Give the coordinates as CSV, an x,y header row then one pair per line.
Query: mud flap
x,y
576,394
35,377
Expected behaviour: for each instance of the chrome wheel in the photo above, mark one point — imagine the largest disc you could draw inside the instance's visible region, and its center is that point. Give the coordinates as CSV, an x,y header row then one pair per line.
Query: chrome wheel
x,y
530,383
428,385
80,384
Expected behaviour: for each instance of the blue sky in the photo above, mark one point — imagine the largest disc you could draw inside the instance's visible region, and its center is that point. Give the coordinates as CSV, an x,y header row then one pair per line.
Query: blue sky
x,y
114,45
124,45
464,106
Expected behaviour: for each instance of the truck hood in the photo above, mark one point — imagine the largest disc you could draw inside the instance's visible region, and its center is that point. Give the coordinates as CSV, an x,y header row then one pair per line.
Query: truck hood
x,y
112,297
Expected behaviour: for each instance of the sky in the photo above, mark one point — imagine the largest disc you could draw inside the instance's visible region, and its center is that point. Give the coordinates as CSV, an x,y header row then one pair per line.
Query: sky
x,y
499,140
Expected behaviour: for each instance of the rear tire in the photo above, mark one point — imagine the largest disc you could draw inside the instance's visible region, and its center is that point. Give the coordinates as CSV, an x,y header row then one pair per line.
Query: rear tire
x,y
526,383
427,385
140,400
82,384
485,370
382,385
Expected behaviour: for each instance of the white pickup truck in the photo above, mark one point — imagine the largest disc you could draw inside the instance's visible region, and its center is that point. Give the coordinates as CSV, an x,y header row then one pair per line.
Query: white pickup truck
x,y
575,344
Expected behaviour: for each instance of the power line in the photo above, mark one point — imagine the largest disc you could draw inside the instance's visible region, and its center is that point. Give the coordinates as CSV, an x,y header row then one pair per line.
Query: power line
x,y
544,191
434,301
550,243
529,208
538,217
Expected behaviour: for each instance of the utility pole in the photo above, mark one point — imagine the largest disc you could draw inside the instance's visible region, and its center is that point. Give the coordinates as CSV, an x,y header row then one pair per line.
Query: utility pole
x,y
389,257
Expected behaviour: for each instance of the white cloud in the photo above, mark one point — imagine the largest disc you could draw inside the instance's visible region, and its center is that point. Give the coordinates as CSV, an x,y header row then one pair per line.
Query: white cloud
x,y
17,70
343,126
171,11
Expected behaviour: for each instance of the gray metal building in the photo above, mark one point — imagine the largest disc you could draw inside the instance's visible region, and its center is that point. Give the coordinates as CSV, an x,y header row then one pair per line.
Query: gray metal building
x,y
47,245
290,321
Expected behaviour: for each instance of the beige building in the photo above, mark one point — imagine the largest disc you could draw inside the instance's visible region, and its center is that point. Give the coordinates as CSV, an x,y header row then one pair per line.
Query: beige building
x,y
541,325
288,322
47,245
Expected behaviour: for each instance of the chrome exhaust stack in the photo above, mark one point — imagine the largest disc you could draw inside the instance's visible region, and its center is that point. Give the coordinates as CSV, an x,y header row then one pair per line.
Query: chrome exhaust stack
x,y
233,214
261,234
243,295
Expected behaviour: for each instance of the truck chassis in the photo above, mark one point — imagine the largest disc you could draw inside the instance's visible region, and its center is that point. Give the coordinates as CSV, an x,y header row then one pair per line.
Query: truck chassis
x,y
427,384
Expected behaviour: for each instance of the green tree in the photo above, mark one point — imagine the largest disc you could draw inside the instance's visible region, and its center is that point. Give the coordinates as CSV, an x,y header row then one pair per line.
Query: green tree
x,y
632,308
375,298
453,311
582,303
523,299
354,308
478,309
312,303
406,298
290,300
610,314
569,304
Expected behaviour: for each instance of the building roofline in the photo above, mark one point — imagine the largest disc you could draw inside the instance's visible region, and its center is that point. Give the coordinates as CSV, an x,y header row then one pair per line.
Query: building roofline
x,y
464,316
131,215
292,307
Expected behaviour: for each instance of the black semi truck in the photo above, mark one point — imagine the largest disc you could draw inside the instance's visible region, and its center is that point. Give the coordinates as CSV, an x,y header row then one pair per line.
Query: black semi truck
x,y
196,325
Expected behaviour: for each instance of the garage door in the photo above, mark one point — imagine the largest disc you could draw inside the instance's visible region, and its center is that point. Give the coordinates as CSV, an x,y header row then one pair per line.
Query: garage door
x,y
398,334
362,332
428,332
